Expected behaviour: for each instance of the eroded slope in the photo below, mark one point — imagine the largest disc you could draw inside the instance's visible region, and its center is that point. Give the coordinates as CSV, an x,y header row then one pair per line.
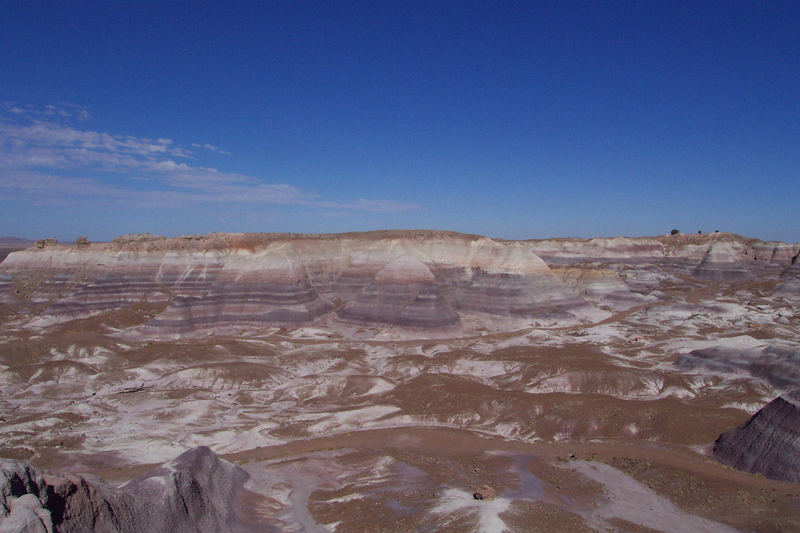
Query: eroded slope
x,y
426,367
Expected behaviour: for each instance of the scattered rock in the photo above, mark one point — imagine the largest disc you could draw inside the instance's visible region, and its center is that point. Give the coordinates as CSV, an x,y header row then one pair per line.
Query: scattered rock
x,y
484,493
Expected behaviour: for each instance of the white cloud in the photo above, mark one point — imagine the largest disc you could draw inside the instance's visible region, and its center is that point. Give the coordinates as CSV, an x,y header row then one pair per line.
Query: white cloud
x,y
43,157
373,206
64,111
210,148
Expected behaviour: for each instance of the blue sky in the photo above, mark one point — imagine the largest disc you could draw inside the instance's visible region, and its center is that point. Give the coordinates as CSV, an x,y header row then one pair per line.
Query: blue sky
x,y
515,120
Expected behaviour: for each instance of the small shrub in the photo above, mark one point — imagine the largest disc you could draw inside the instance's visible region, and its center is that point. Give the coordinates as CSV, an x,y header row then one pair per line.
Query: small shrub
x,y
674,232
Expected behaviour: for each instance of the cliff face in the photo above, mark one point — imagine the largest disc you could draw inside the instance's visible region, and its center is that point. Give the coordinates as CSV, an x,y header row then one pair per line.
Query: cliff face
x,y
195,492
768,443
790,280
427,281
711,255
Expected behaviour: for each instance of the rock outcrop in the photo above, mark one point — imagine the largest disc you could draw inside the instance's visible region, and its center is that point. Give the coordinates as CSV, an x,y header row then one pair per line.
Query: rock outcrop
x,y
768,443
403,292
779,366
790,281
716,256
437,282
598,249
195,492
725,261
601,286
420,280
774,252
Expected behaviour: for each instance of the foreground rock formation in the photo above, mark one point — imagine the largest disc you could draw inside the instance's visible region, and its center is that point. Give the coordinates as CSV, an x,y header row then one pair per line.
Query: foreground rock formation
x,y
195,492
768,443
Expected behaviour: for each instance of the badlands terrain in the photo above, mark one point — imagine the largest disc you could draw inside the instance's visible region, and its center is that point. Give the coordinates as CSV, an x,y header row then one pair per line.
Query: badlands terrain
x,y
400,381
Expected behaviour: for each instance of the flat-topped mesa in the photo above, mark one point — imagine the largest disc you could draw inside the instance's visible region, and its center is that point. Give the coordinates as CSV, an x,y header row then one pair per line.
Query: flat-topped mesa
x,y
601,248
768,443
722,256
224,282
409,279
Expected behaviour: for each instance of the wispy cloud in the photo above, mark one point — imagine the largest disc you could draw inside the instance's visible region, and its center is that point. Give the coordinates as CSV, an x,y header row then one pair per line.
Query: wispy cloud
x,y
211,148
61,111
45,156
373,206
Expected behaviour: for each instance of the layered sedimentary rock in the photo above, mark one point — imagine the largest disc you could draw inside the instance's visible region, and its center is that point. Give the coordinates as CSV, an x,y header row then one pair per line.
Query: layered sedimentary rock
x,y
774,252
598,249
716,256
422,280
602,286
510,295
725,261
778,366
402,292
768,443
790,280
197,491
406,279
241,294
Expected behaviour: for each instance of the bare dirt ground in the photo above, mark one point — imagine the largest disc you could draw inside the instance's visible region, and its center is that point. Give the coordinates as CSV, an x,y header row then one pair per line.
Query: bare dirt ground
x,y
580,428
